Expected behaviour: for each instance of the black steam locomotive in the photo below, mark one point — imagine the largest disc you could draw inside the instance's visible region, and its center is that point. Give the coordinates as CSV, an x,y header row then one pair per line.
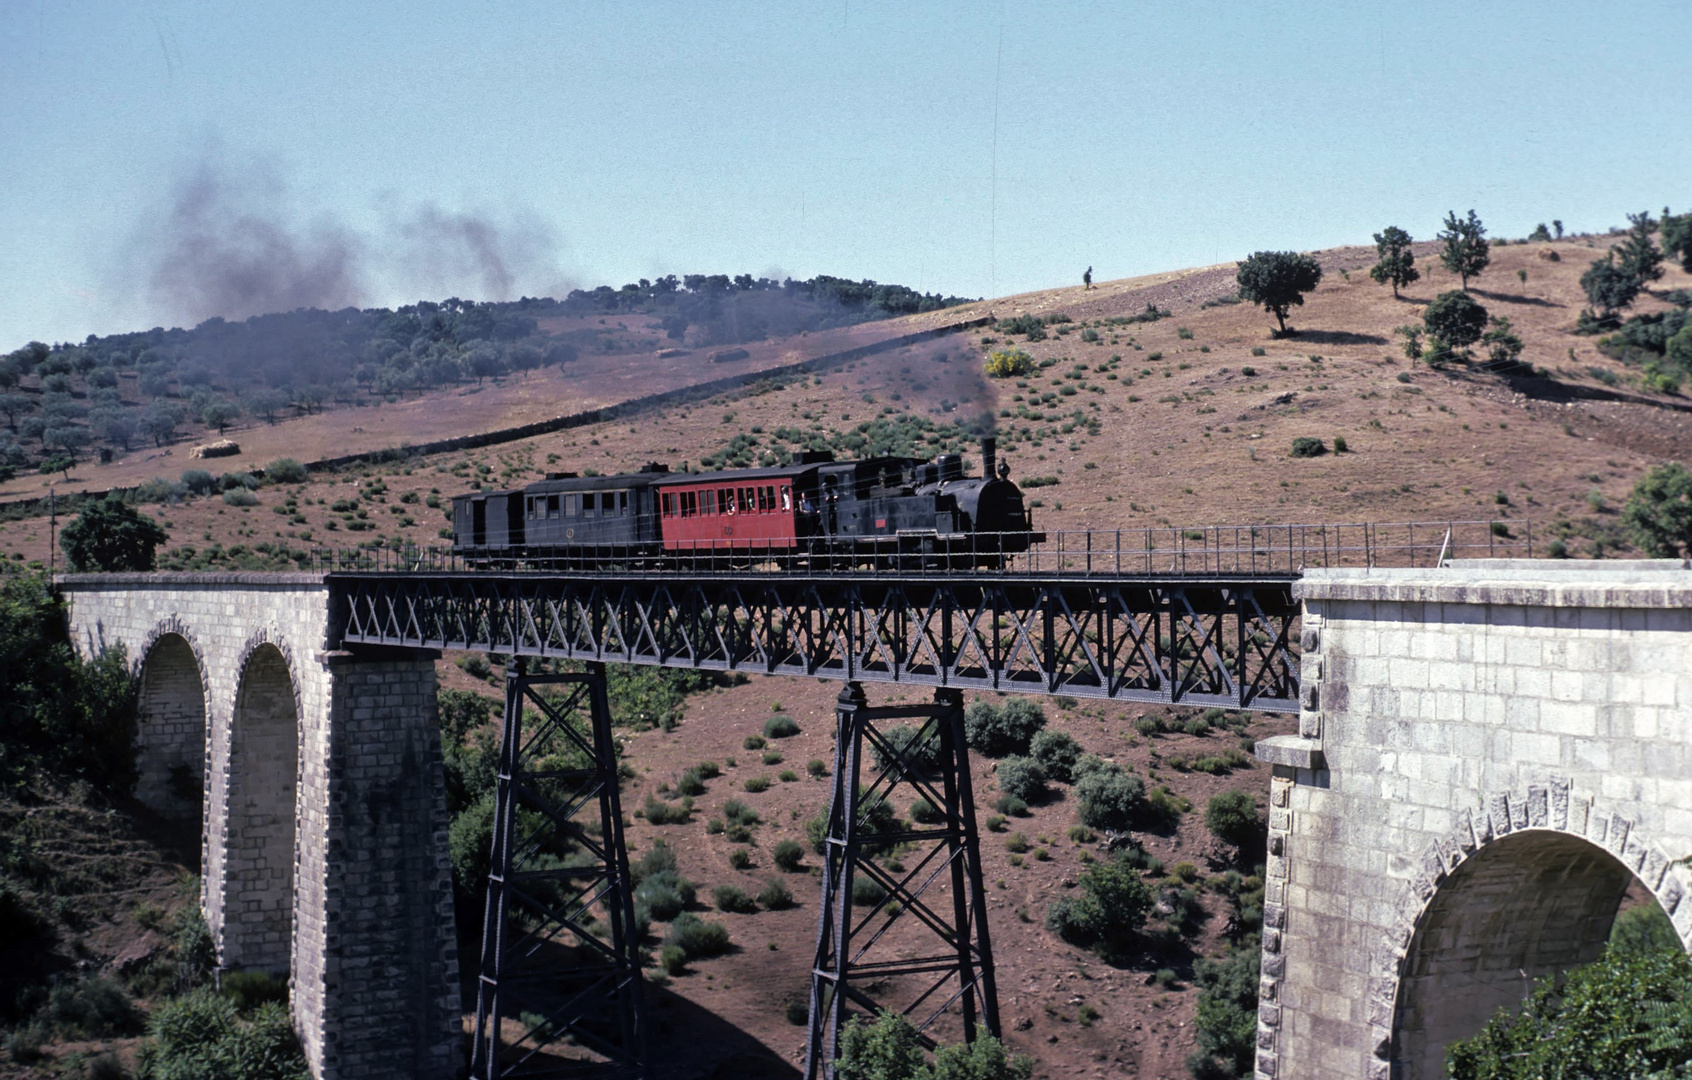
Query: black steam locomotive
x,y
813,513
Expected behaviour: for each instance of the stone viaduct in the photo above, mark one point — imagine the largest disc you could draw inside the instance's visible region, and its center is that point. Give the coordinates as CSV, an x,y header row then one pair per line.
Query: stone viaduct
x,y
316,774
1490,755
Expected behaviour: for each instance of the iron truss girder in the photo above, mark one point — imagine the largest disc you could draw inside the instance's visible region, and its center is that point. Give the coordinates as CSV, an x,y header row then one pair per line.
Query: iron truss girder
x,y
559,988
1201,641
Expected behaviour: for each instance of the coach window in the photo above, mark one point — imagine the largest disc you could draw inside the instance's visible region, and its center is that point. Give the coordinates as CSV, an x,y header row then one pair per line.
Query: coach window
x,y
552,506
689,503
747,503
786,498
622,504
588,502
669,504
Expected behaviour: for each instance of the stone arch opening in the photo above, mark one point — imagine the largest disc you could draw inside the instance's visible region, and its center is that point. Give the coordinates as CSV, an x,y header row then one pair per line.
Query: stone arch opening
x,y
170,738
260,853
1522,907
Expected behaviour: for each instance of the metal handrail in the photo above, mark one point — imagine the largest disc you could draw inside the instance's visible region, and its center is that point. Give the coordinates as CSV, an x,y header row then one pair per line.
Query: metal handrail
x,y
1192,551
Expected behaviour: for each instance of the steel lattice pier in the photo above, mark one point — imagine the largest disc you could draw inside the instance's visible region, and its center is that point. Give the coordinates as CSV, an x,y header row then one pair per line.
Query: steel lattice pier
x,y
1201,641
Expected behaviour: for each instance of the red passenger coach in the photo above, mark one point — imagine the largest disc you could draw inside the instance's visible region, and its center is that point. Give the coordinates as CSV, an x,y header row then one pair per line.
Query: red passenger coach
x,y
741,510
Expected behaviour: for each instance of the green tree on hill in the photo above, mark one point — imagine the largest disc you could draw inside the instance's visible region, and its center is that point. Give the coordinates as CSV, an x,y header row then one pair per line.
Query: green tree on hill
x,y
1610,287
1658,513
1454,322
1466,251
1677,238
1278,280
110,535
1636,254
1397,265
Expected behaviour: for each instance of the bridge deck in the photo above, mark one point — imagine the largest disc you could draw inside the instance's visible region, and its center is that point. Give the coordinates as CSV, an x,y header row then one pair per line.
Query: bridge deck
x,y
1215,640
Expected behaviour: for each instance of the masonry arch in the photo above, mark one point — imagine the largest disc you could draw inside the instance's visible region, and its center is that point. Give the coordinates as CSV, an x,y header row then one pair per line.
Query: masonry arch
x,y
170,737
260,854
1521,907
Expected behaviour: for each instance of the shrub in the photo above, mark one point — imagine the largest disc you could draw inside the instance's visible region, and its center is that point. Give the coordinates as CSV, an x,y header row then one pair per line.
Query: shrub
x,y
775,896
1109,798
780,726
816,767
1231,816
866,891
755,784
1258,350
673,959
787,855
787,776
921,757
754,742
1622,1015
240,497
250,989
285,471
1009,363
924,812
1007,729
1306,447
889,1048
733,899
1148,726
1057,753
1022,778
661,813
798,1011
740,813
773,757
1196,725
697,938
1113,904
995,823
90,1009
1010,804
1340,446
658,858
1016,843
740,858
691,783
665,895
200,1034
199,482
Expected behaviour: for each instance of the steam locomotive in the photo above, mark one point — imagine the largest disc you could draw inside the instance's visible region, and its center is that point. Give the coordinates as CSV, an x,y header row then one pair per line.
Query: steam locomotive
x,y
813,513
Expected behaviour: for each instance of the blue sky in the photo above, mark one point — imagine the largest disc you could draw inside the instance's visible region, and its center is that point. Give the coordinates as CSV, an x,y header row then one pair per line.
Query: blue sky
x,y
974,149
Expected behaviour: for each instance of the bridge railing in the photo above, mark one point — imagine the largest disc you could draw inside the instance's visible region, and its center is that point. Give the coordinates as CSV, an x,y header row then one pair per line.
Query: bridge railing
x,y
1221,550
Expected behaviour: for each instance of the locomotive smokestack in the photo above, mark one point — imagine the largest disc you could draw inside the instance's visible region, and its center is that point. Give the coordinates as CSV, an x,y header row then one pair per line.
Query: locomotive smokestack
x,y
989,456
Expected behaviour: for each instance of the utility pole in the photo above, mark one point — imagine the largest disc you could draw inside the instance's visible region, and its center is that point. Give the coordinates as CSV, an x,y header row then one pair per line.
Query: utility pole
x,y
52,530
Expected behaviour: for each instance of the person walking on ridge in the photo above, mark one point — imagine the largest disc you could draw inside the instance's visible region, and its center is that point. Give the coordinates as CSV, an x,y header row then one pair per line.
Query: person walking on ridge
x,y
1087,279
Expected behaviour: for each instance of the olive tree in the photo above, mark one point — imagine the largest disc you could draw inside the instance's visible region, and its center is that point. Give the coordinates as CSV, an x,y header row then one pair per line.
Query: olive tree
x,y
1397,265
1454,322
1658,513
1466,251
1278,280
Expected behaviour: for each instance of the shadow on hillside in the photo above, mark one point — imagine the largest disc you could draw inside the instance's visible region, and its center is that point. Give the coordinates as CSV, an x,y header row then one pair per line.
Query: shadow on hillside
x,y
690,1042
1513,298
1553,390
1335,337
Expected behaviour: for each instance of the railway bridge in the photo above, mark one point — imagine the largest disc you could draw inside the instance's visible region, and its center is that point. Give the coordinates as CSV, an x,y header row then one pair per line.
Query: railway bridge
x,y
1488,755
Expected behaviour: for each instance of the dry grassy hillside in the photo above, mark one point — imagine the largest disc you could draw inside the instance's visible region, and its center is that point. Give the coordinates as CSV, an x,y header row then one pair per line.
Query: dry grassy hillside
x,y
1174,421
